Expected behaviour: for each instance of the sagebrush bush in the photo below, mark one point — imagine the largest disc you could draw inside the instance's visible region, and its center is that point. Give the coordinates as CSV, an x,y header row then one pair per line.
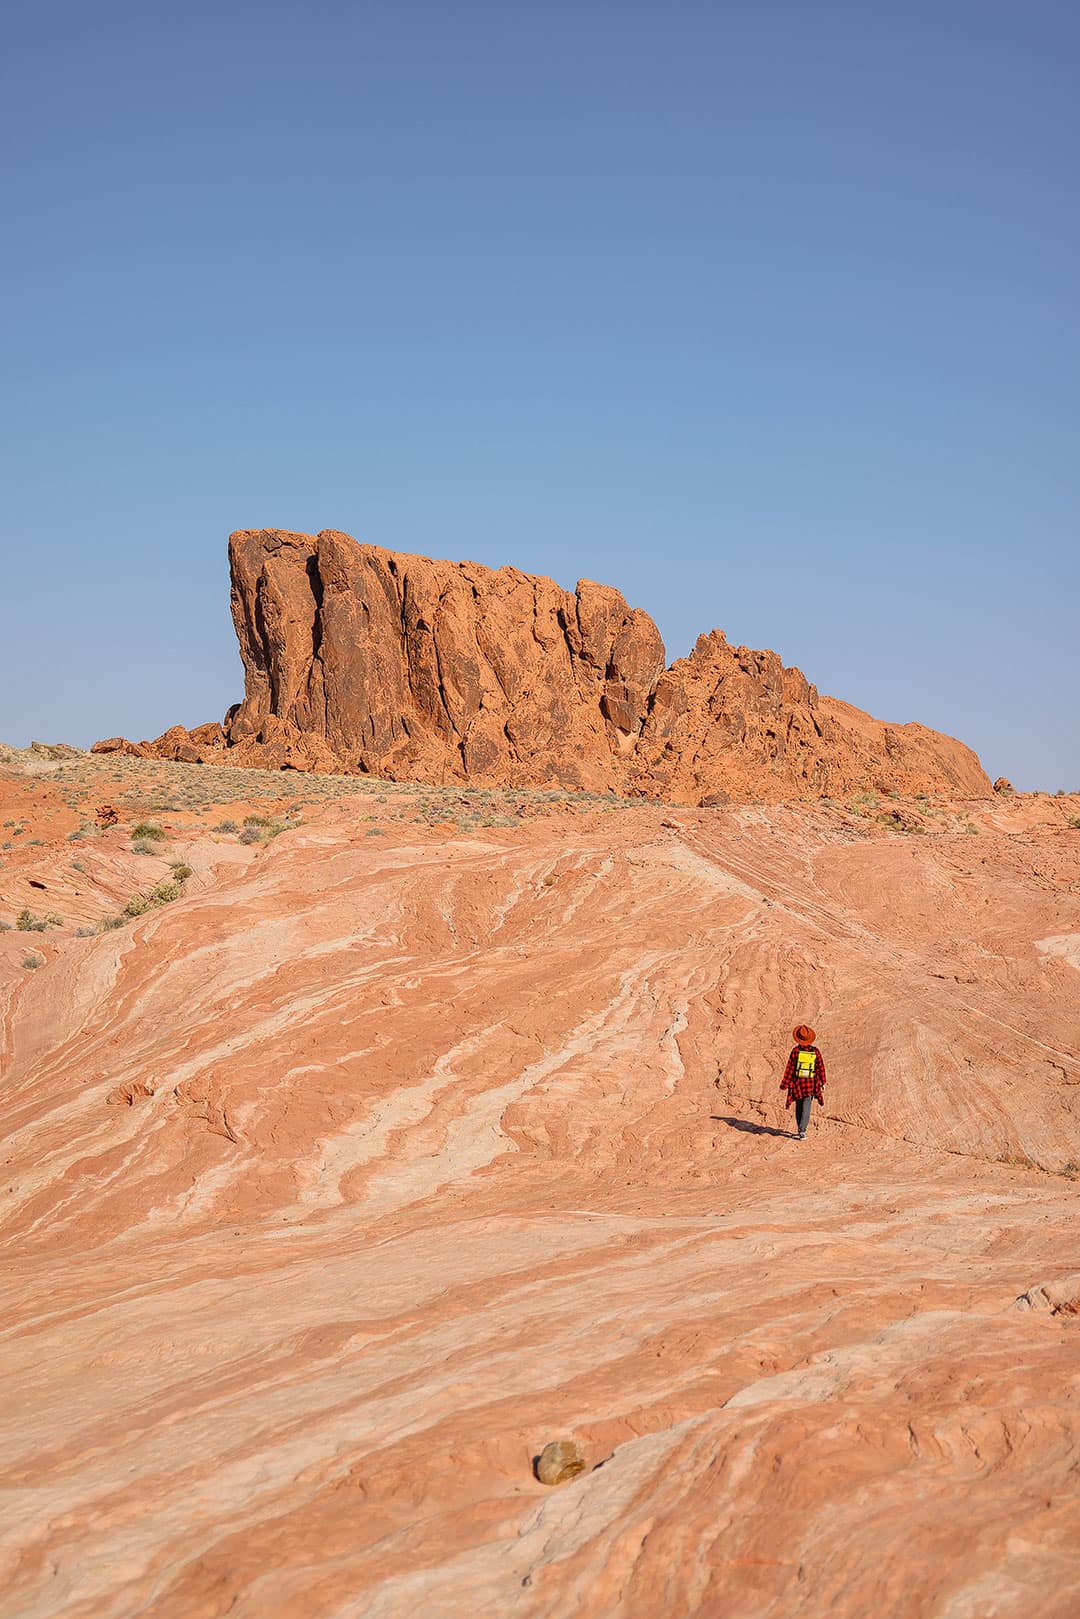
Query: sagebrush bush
x,y
147,829
261,828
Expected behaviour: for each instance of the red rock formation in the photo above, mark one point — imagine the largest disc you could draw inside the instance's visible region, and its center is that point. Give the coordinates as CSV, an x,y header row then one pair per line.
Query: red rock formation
x,y
362,659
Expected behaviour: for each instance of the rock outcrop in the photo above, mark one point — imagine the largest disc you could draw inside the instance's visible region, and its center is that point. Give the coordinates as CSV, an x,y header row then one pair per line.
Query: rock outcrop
x,y
359,659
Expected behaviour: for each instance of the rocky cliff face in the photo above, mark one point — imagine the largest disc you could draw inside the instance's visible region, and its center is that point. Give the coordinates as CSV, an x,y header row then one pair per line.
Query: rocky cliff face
x,y
362,659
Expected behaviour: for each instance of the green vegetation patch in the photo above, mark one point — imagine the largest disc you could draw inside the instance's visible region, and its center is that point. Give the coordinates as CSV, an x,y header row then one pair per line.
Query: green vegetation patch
x,y
27,922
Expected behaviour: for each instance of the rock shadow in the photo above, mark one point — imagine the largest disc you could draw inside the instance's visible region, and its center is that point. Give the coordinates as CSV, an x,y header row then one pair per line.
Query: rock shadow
x,y
754,1129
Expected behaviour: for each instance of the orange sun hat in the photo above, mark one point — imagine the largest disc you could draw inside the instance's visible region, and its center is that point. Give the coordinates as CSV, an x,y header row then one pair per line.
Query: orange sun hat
x,y
803,1035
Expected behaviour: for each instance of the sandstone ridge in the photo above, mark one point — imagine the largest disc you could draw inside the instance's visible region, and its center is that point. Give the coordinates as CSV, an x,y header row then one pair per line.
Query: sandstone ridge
x,y
363,660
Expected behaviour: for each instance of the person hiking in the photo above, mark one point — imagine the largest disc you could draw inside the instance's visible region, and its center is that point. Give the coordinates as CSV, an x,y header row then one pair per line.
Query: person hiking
x,y
804,1076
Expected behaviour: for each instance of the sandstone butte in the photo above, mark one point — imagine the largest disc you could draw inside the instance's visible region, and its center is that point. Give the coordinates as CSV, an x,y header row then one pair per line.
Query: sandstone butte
x,y
444,1125
362,659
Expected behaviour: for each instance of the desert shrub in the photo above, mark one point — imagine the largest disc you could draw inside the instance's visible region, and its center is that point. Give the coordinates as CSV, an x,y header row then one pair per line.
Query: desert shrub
x,y
180,870
54,920
1074,820
227,827
32,961
165,892
27,922
111,922
147,829
137,905
77,865
85,933
261,828
1017,1160
972,828
374,832
142,846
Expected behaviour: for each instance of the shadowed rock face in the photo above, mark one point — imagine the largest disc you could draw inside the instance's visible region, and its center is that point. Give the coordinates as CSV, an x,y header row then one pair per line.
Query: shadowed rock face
x,y
435,670
362,659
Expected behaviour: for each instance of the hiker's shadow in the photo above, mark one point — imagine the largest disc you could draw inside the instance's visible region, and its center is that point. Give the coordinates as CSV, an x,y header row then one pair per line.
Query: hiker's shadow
x,y
754,1129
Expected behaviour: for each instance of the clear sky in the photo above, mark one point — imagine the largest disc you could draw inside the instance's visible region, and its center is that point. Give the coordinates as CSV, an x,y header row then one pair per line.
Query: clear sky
x,y
767,313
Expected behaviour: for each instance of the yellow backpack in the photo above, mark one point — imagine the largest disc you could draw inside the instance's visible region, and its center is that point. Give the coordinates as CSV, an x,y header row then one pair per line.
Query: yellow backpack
x,y
805,1064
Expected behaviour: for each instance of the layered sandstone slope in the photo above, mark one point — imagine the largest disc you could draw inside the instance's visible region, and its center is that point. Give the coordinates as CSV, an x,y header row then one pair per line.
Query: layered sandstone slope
x,y
357,658
337,1187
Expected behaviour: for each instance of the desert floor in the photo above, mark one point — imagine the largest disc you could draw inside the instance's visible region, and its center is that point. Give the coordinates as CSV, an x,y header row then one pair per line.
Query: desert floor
x,y
351,1158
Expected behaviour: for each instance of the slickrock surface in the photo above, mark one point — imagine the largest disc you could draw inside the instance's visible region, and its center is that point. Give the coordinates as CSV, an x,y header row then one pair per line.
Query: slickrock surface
x,y
401,1144
359,658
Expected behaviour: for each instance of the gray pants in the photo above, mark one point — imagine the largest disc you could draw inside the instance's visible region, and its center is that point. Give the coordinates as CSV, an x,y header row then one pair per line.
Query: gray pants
x,y
803,1105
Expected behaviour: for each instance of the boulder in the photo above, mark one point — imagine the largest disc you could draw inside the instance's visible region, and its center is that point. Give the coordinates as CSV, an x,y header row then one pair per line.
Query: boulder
x,y
559,1461
120,744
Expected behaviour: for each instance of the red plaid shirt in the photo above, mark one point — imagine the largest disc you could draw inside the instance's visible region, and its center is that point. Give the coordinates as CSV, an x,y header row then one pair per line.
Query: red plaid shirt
x,y
796,1087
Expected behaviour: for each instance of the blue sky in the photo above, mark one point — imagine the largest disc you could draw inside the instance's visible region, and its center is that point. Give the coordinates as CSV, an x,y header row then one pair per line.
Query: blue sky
x,y
765,313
